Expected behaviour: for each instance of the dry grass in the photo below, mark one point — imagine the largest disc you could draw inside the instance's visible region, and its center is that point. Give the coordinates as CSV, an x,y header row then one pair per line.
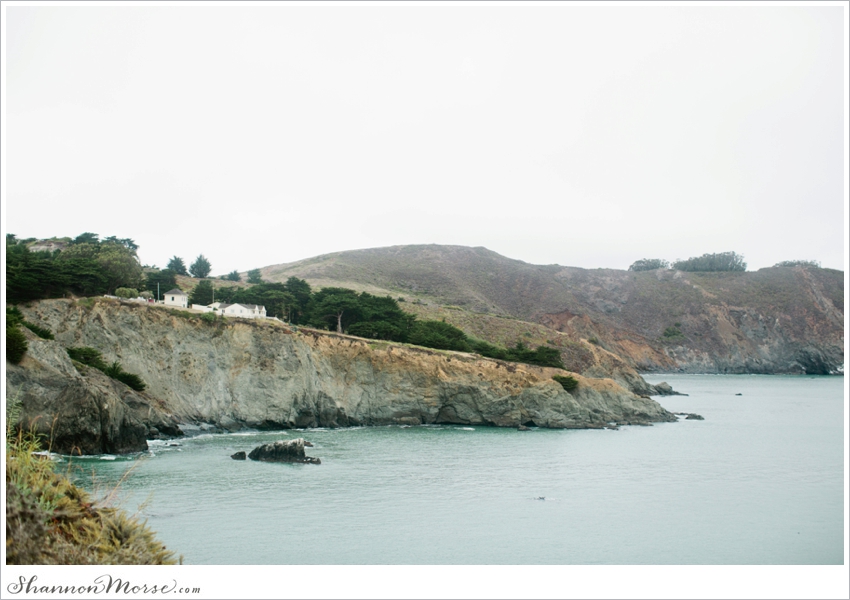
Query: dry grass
x,y
51,521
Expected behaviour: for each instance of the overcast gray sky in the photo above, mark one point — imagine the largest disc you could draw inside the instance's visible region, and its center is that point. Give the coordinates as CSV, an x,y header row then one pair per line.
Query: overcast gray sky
x,y
588,136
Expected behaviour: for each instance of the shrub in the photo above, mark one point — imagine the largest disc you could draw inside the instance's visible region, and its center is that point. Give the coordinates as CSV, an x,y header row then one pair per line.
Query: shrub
x,y
16,344
130,379
593,340
673,332
798,263
209,317
649,264
124,292
41,332
724,261
88,356
568,382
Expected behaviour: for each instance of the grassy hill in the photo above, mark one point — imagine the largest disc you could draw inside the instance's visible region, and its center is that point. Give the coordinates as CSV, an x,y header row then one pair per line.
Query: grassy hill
x,y
782,319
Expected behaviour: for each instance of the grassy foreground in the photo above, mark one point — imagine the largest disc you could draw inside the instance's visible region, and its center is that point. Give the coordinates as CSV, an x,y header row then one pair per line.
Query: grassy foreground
x,y
50,521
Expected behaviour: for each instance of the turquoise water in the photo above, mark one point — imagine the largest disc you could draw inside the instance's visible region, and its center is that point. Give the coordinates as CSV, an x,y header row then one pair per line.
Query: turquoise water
x,y
759,481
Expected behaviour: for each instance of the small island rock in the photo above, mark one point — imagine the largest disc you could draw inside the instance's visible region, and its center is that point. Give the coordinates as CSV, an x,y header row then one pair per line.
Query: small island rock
x,y
283,451
239,456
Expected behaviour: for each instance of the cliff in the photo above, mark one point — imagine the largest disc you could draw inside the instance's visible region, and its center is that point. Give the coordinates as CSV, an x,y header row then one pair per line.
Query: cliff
x,y
261,374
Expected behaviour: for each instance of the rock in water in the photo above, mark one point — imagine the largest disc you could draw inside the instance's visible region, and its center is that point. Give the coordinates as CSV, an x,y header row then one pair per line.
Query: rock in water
x,y
238,456
694,417
283,451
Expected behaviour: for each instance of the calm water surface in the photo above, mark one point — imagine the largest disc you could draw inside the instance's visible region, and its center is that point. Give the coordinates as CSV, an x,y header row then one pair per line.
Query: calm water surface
x,y
759,481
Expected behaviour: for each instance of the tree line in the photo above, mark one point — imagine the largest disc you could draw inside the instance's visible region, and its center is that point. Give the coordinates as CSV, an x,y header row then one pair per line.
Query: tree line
x,y
722,261
365,315
88,266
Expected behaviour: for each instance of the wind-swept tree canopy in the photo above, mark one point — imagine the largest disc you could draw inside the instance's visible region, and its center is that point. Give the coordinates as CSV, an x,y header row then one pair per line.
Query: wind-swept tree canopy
x,y
177,265
201,267
649,264
202,293
724,261
255,276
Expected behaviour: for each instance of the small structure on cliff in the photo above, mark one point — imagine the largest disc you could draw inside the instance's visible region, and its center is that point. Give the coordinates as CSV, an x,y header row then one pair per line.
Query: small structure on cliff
x,y
176,297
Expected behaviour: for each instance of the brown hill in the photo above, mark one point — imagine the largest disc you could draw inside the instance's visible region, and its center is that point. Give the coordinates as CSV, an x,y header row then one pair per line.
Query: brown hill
x,y
775,320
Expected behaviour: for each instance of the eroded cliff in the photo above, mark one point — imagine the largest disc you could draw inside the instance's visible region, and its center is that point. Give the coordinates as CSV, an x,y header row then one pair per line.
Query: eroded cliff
x,y
261,374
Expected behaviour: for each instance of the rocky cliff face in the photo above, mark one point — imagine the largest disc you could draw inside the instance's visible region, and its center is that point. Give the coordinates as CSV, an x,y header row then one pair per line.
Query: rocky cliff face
x,y
82,411
260,374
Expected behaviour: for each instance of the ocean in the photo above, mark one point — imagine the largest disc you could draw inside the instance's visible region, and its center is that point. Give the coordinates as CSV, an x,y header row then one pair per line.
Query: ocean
x,y
759,481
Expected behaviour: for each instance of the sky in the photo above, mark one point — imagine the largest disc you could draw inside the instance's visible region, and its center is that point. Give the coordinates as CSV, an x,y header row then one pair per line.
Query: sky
x,y
589,136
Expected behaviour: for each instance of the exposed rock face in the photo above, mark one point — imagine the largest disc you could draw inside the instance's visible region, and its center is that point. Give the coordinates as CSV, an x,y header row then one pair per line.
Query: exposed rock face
x,y
82,413
283,451
260,374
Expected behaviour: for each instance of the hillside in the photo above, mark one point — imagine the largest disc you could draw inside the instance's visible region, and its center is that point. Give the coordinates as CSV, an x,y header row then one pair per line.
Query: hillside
x,y
775,320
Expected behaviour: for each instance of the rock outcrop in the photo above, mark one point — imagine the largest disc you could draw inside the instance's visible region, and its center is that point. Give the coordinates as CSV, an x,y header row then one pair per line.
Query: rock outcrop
x,y
82,411
284,451
260,374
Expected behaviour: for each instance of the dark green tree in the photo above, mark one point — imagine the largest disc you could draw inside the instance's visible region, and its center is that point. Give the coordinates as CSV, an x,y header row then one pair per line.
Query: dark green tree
x,y
86,238
120,267
232,276
723,261
255,276
438,334
202,293
124,242
166,280
16,344
177,265
201,267
303,294
649,264
335,308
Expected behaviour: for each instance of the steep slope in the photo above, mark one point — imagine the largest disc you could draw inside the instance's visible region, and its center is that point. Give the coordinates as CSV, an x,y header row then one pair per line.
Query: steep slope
x,y
262,374
776,320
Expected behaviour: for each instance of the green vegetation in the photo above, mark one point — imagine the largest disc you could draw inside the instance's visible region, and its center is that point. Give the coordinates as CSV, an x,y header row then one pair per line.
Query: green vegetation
x,y
201,267
255,276
232,276
93,358
568,382
127,292
51,521
177,265
209,317
673,332
649,264
16,344
15,317
161,281
724,261
202,293
86,267
798,263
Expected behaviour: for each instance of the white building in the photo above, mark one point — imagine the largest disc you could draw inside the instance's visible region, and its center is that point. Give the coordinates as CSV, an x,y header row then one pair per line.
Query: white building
x,y
176,297
246,311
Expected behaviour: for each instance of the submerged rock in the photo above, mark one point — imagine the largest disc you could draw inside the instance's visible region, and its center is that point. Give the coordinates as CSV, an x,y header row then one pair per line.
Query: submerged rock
x,y
283,451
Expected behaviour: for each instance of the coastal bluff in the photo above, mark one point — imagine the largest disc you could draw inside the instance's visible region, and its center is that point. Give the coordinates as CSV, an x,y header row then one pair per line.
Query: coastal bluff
x,y
237,374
